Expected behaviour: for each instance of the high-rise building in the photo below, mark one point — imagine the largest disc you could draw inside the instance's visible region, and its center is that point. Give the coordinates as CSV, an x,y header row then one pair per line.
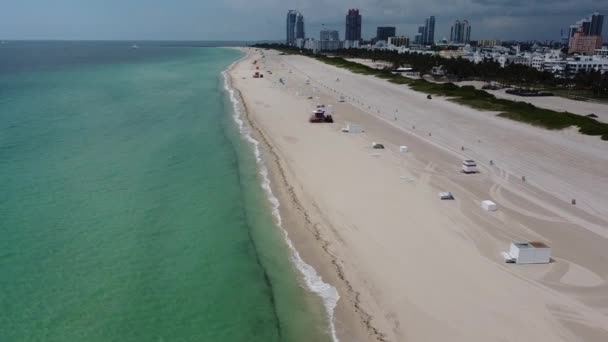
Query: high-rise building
x,y
597,24
586,27
399,41
291,27
383,33
295,27
571,31
461,32
353,26
585,44
426,32
300,33
330,40
330,35
419,36
430,38
586,35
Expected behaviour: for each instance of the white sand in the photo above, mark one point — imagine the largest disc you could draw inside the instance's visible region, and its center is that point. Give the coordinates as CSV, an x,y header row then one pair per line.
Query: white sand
x,y
408,266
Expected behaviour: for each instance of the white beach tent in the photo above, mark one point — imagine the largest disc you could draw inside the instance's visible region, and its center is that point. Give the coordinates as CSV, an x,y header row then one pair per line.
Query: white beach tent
x,y
352,128
528,253
488,206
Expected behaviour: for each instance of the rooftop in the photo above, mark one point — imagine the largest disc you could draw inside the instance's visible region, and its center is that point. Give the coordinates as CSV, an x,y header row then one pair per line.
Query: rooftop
x,y
535,244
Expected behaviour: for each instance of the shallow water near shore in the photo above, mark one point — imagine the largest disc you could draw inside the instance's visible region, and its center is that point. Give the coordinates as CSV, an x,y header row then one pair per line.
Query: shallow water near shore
x,y
131,207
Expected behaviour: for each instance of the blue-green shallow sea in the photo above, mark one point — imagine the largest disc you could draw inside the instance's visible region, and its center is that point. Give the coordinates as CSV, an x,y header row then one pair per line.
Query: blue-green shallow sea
x,y
130,207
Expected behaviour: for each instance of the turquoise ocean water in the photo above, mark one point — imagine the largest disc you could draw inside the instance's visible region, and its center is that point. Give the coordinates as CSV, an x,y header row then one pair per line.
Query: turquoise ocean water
x,y
131,207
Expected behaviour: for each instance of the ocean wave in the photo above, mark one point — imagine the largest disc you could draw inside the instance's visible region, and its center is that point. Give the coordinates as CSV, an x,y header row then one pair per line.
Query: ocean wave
x,y
329,294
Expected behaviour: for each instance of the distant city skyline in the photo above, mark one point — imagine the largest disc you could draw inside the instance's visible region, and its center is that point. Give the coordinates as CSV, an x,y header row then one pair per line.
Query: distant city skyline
x,y
460,32
262,20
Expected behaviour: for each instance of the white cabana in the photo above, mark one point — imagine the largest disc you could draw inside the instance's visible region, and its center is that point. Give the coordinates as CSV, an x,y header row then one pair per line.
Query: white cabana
x,y
469,166
352,128
488,205
528,253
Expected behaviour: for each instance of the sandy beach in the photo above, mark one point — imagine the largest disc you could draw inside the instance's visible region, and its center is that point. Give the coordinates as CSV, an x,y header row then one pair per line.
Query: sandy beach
x,y
408,266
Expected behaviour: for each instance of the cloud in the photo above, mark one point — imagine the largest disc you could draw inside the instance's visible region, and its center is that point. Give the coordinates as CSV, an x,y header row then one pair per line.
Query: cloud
x,y
265,19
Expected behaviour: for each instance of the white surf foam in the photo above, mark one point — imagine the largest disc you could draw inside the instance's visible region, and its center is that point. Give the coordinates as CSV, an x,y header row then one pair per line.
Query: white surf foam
x,y
315,283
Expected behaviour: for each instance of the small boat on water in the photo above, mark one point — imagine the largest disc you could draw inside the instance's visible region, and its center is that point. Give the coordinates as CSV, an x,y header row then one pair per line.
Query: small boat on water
x,y
134,46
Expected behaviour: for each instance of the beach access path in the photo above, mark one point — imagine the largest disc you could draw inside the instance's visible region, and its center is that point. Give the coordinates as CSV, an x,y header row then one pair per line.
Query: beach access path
x,y
408,266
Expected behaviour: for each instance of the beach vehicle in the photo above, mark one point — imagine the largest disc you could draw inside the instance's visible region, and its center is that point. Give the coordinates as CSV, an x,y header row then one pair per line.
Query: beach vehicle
x,y
469,166
377,146
342,99
321,114
446,196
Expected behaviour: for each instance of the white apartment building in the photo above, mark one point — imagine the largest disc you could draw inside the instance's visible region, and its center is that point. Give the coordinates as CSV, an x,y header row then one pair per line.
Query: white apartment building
x,y
329,45
537,62
351,44
552,61
523,59
330,40
300,43
311,44
399,41
603,52
586,64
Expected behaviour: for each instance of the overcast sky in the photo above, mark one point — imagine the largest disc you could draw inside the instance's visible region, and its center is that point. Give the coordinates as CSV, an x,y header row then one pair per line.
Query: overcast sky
x,y
265,19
